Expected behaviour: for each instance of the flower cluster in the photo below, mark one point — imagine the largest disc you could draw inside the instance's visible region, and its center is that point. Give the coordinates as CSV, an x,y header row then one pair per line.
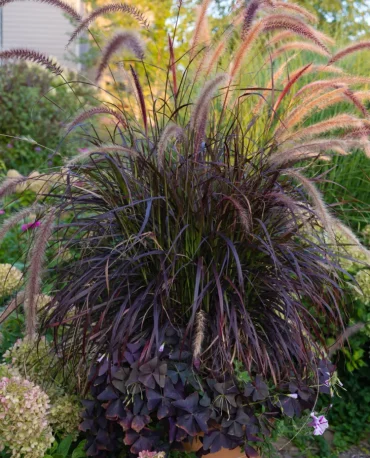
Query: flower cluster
x,y
32,359
363,290
146,454
64,416
24,428
36,360
10,278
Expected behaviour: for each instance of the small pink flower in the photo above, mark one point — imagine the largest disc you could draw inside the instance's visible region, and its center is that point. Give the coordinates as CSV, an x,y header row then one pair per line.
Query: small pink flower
x,y
147,454
2,212
83,150
9,145
28,226
161,348
320,424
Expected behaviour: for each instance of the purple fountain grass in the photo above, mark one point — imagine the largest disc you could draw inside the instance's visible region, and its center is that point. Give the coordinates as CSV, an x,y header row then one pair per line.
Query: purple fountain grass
x,y
317,200
201,107
171,131
85,115
32,56
331,83
293,7
250,12
37,258
172,66
201,23
198,248
271,23
141,98
215,54
341,121
129,41
8,186
349,50
288,86
284,21
106,9
102,150
298,46
13,220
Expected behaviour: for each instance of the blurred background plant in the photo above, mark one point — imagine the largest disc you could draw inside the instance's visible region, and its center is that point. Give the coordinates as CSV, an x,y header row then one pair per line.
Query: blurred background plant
x,y
36,106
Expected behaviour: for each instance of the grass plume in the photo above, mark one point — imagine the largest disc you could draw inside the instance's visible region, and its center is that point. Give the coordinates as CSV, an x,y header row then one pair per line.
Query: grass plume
x,y
102,149
16,218
200,24
128,40
32,56
106,9
8,186
33,285
84,116
349,50
171,131
250,12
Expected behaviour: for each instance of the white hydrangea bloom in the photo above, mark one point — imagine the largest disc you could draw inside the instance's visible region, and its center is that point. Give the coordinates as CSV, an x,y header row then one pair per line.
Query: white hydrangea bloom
x,y
24,426
10,279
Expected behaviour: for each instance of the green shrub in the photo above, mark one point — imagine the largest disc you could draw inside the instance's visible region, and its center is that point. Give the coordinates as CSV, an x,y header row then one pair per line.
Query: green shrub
x,y
34,107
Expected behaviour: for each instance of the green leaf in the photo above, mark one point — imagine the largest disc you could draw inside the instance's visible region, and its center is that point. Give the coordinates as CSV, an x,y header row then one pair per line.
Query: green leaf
x,y
78,453
64,446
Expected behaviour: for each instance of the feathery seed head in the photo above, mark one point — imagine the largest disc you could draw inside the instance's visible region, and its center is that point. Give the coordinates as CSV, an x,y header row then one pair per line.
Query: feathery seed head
x,y
128,40
106,9
32,56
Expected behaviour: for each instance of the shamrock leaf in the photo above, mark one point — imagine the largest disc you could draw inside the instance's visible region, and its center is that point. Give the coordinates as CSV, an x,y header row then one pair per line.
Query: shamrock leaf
x,y
257,389
196,417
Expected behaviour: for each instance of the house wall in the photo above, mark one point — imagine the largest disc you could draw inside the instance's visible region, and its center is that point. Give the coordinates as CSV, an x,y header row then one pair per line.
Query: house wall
x,y
40,27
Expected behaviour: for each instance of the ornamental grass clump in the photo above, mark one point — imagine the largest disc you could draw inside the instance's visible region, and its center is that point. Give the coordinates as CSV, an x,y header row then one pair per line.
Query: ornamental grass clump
x,y
191,276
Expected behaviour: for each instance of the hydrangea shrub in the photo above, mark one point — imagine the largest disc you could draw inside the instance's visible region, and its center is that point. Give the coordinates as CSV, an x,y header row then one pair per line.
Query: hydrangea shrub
x,y
24,426
36,360
10,279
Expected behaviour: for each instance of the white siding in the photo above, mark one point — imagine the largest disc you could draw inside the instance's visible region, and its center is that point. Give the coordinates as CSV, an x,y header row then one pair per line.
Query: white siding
x,y
40,27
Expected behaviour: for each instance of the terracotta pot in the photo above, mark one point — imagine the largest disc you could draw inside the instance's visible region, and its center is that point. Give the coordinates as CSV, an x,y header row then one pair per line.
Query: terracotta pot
x,y
196,445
